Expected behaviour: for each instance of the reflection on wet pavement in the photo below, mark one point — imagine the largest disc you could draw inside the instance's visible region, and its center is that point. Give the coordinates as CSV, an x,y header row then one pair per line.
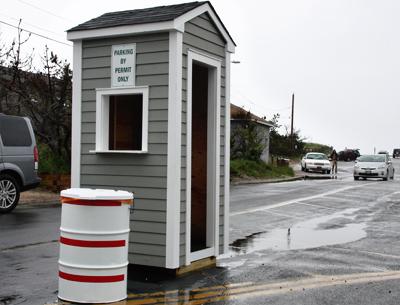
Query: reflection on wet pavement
x,y
8,299
247,290
337,228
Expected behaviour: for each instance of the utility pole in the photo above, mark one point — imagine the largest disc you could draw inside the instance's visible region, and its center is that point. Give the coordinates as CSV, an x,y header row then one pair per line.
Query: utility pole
x,y
291,125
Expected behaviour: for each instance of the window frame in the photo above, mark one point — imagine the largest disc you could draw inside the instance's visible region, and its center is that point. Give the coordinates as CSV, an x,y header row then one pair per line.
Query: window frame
x,y
102,117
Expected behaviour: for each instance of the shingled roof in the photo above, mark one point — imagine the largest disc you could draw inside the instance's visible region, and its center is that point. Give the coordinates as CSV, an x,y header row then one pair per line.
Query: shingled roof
x,y
240,114
154,19
139,16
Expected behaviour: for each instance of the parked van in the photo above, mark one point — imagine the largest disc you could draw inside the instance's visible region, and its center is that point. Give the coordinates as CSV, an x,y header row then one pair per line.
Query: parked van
x,y
19,160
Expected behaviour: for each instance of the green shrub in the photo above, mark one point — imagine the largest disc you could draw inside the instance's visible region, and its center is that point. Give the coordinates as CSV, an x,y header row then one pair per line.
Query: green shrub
x,y
258,169
49,163
316,147
247,142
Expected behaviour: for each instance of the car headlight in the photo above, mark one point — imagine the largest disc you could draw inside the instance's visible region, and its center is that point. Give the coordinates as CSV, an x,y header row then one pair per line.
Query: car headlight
x,y
381,166
356,166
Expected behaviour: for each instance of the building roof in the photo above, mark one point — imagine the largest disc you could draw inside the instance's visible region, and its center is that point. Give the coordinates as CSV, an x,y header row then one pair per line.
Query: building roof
x,y
238,113
139,16
154,19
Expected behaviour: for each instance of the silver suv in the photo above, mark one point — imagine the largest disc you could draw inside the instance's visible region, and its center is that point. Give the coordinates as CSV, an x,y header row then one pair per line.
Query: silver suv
x,y
18,160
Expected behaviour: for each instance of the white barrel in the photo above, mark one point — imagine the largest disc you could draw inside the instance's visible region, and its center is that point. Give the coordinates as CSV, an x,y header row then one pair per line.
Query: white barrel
x,y
94,245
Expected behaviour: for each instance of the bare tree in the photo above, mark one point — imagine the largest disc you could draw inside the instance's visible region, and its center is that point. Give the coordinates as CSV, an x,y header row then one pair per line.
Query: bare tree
x,y
41,93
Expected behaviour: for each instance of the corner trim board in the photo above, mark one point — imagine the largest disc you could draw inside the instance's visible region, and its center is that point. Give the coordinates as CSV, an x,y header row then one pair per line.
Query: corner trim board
x,y
227,150
76,114
174,150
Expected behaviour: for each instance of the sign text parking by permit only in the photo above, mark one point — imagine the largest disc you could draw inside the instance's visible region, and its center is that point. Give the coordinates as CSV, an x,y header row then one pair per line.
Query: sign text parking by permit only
x,y
123,59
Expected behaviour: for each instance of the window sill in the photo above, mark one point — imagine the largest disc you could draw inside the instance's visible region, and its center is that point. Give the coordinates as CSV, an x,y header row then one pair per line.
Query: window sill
x,y
118,151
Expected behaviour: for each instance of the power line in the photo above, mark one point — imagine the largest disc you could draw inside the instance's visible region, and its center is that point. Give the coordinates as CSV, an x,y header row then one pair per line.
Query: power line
x,y
268,109
43,10
32,25
40,35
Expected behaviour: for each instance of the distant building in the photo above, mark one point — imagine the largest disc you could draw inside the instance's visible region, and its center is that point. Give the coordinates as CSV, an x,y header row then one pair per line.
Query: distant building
x,y
239,117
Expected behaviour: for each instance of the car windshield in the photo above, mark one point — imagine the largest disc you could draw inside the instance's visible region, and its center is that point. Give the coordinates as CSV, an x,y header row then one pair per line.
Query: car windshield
x,y
372,158
317,157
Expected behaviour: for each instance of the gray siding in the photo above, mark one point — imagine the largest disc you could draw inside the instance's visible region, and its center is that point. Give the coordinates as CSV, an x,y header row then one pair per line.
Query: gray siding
x,y
201,34
143,174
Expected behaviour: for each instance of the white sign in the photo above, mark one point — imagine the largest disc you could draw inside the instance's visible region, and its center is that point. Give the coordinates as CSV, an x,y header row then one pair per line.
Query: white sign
x,y
123,60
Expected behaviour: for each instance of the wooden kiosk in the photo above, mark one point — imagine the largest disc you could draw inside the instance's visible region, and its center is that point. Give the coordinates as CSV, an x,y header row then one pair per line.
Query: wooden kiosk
x,y
151,115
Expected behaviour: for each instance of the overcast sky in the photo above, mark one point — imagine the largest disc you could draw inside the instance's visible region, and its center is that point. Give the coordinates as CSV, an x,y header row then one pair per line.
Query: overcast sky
x,y
341,58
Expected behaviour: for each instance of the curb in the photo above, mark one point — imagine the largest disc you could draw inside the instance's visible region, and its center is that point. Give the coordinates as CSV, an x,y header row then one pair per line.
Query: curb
x,y
48,204
243,182
311,177
297,178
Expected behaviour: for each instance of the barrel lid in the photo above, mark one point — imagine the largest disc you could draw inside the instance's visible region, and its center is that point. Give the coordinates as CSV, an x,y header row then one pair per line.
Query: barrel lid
x,y
96,194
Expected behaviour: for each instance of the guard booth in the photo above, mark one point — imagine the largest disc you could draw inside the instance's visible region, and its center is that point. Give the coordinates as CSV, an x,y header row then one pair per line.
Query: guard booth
x,y
151,115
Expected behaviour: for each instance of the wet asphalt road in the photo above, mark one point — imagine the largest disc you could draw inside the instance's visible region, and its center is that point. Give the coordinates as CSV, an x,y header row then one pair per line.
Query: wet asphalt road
x,y
342,248
28,255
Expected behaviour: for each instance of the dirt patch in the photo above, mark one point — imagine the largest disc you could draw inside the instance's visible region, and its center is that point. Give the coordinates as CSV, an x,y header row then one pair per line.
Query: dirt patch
x,y
55,182
39,196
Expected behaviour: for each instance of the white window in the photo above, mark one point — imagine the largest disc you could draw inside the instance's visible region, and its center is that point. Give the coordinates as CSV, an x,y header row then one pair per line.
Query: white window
x,y
122,120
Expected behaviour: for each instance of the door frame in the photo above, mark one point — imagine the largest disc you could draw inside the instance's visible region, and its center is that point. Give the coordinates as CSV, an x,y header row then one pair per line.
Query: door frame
x,y
213,154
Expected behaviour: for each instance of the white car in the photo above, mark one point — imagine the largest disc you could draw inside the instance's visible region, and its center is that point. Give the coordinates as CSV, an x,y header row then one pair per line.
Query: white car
x,y
314,161
373,166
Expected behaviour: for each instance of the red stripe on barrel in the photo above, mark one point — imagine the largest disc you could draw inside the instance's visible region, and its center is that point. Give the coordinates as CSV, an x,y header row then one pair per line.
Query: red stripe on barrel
x,y
92,243
91,278
97,203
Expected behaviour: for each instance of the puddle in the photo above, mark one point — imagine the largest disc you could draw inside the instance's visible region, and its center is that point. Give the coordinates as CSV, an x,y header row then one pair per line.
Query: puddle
x,y
337,228
231,264
7,299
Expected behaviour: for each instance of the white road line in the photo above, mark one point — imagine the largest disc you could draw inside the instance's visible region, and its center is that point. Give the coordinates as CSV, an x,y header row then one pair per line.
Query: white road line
x,y
297,200
365,252
283,215
340,199
319,206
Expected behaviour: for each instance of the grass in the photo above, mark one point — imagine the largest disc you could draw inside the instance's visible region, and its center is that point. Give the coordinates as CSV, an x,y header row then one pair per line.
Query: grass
x,y
258,169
